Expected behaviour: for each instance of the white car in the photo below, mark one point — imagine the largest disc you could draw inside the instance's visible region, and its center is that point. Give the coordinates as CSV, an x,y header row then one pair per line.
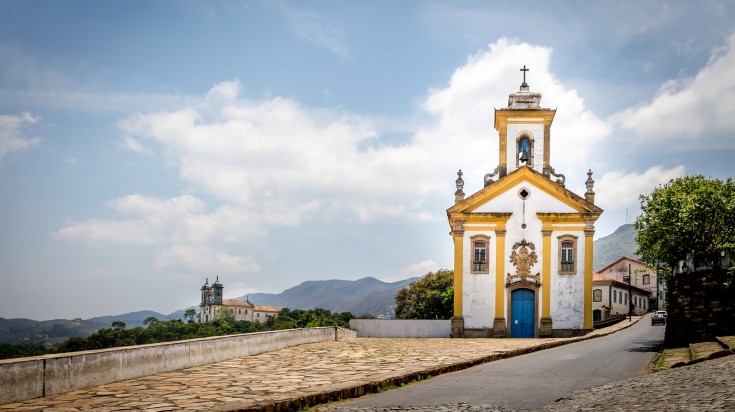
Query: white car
x,y
663,312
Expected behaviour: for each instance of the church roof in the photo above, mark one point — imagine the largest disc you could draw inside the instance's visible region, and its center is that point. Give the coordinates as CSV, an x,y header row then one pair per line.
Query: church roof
x,y
266,308
237,302
505,183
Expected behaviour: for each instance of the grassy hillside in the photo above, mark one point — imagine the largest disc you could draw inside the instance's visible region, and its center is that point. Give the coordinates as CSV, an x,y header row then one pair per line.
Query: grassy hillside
x,y
614,246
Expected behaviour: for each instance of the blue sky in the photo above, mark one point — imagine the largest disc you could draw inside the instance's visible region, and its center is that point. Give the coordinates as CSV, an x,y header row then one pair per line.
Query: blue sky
x,y
148,145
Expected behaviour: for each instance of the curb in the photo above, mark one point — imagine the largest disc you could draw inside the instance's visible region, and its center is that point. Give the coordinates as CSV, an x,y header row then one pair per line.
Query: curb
x,y
356,391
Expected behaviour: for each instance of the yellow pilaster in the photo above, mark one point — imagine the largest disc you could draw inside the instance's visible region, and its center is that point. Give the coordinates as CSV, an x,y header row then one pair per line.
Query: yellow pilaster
x,y
499,273
589,232
546,272
458,236
503,148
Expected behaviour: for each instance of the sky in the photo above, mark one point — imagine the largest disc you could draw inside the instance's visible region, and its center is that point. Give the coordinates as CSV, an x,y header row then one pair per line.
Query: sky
x,y
148,145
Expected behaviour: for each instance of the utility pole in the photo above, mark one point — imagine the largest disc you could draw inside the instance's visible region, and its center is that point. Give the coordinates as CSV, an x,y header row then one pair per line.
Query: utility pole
x,y
630,295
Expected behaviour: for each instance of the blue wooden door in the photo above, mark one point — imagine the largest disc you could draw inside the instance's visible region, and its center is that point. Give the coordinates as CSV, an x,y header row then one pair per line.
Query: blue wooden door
x,y
521,307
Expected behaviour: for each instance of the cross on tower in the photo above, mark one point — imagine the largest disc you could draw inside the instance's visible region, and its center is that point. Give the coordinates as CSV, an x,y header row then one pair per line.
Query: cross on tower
x,y
524,70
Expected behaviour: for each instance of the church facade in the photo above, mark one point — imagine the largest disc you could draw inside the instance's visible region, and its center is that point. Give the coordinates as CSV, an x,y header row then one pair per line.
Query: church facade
x,y
213,306
523,243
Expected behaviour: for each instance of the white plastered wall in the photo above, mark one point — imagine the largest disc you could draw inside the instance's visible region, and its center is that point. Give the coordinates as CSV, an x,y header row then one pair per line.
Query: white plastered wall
x,y
567,291
478,290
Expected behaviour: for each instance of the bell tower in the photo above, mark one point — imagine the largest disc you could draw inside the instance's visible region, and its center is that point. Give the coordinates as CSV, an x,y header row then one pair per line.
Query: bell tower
x,y
524,130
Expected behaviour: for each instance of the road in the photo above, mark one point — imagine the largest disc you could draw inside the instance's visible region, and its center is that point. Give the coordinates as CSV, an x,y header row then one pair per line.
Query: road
x,y
537,379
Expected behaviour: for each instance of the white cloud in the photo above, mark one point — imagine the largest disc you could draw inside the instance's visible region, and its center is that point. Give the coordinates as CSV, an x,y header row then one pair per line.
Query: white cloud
x,y
182,219
133,145
620,190
309,26
204,260
11,139
106,232
277,163
690,113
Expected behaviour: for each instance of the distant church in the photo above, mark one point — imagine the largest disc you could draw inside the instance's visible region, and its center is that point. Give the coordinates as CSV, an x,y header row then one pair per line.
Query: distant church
x,y
523,243
213,306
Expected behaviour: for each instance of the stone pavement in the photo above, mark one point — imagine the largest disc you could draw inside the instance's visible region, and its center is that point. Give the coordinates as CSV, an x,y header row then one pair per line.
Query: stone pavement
x,y
296,377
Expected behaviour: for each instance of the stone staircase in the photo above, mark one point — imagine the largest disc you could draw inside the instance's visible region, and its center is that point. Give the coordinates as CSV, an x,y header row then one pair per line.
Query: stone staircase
x,y
694,353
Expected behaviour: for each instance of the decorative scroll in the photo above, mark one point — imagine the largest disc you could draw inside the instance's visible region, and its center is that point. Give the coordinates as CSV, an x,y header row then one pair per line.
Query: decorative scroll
x,y
523,257
490,176
560,178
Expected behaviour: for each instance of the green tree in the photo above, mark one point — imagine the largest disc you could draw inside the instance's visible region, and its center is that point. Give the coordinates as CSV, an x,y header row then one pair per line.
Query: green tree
x,y
118,324
431,297
150,320
689,216
189,315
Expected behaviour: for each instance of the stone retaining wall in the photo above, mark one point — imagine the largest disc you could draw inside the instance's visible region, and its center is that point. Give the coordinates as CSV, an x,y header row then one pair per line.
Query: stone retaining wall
x,y
401,328
34,377
700,307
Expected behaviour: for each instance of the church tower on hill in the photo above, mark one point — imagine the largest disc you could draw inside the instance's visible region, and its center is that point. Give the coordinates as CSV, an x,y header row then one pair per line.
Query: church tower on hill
x,y
523,243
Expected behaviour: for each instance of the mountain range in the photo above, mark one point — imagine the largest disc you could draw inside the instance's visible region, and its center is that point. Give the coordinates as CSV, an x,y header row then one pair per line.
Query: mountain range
x,y
366,295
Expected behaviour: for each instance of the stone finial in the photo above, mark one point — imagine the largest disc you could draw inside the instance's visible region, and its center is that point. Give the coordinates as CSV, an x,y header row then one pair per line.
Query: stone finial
x,y
589,195
459,194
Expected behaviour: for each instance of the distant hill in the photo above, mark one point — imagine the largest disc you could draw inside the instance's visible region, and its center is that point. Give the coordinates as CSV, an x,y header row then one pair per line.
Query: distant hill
x,y
614,246
366,295
133,319
34,332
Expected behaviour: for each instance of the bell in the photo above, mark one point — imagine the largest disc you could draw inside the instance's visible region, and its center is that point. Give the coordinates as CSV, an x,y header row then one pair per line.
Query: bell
x,y
524,157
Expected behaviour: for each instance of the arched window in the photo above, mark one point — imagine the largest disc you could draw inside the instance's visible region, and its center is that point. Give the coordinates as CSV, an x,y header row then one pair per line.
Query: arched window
x,y
597,295
646,279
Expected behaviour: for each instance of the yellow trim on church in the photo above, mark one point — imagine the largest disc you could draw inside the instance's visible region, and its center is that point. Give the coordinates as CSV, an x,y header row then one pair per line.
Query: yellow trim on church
x,y
546,273
534,178
458,247
588,251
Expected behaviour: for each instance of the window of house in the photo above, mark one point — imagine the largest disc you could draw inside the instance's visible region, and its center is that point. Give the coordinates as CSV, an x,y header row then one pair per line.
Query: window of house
x,y
615,296
567,255
646,279
597,295
626,299
480,254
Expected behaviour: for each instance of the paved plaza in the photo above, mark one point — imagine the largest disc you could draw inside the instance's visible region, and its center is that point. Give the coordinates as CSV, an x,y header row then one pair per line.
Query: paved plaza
x,y
316,373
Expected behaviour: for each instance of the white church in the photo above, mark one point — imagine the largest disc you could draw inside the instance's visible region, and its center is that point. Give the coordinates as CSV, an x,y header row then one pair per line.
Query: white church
x,y
523,243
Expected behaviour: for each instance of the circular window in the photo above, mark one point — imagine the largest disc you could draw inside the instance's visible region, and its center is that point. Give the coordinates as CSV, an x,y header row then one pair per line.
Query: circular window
x,y
524,193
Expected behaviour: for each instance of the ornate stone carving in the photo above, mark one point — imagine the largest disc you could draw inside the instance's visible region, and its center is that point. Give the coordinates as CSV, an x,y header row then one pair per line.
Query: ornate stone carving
x,y
489,178
523,257
560,178
459,194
